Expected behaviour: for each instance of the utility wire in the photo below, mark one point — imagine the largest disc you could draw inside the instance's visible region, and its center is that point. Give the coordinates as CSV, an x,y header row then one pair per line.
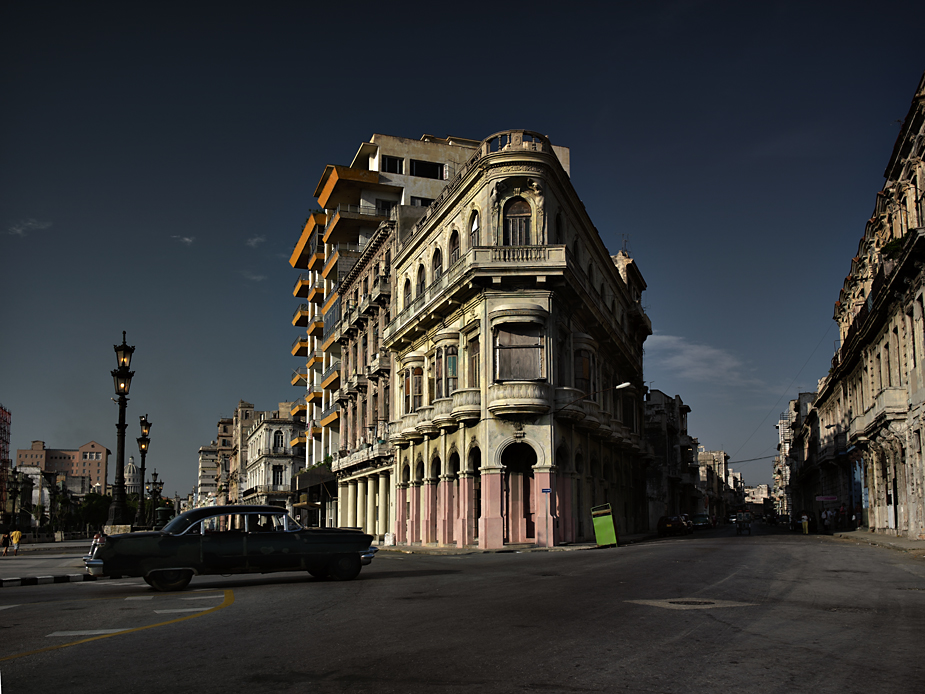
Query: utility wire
x,y
787,390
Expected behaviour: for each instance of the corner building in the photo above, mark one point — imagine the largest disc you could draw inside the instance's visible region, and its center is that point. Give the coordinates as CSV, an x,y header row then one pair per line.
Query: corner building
x,y
479,396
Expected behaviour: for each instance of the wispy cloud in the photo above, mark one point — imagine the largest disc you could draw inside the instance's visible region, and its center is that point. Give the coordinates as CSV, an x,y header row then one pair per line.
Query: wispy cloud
x,y
255,241
676,357
25,226
253,277
185,240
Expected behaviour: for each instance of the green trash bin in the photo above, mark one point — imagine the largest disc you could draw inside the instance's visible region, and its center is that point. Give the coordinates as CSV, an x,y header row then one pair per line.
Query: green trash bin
x,y
604,531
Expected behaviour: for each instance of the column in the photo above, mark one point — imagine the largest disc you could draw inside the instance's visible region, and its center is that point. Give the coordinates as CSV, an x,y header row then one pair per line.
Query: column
x,y
342,493
464,530
401,514
351,503
445,507
383,502
361,503
546,515
371,488
491,524
414,520
429,508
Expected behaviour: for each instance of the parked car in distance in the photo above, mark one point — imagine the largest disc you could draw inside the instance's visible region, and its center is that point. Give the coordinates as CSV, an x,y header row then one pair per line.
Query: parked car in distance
x,y
229,540
701,521
671,525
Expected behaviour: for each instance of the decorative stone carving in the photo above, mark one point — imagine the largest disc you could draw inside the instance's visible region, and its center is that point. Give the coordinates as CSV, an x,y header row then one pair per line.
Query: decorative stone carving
x,y
518,398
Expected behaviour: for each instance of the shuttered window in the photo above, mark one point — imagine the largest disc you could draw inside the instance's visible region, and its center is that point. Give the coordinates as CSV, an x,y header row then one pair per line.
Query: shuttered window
x,y
519,353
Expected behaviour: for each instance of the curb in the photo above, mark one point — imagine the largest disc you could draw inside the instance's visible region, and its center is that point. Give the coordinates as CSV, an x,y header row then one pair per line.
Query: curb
x,y
42,580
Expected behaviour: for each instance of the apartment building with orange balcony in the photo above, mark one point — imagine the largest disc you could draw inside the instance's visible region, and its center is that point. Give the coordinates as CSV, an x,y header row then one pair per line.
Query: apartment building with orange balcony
x,y
387,172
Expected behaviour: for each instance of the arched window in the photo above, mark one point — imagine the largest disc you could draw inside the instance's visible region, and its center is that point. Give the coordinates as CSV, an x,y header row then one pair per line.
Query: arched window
x,y
417,388
474,231
517,215
438,374
437,265
422,280
583,370
451,370
407,294
454,247
407,391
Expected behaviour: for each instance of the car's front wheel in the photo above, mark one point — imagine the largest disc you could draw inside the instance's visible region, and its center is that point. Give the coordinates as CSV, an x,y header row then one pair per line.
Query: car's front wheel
x,y
345,567
166,581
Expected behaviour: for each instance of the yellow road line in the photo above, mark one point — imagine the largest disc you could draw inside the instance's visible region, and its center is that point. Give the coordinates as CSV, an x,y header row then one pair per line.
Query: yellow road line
x,y
227,602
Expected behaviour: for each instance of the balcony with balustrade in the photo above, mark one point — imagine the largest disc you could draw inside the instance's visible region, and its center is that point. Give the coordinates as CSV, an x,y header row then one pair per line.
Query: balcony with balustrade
x,y
467,405
476,267
443,413
518,398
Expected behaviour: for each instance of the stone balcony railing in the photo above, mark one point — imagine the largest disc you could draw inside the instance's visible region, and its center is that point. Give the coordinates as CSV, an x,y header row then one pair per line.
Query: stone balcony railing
x,y
467,405
489,260
409,423
891,403
516,398
425,425
592,420
443,413
396,438
568,404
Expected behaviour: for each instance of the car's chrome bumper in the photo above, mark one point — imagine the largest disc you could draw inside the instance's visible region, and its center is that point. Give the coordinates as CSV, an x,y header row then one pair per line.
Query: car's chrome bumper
x,y
94,566
367,556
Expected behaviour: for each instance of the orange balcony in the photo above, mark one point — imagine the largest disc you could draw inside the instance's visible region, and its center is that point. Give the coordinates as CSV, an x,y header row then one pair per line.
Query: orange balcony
x,y
300,377
315,293
301,315
300,346
308,243
313,395
330,379
298,408
342,185
316,325
302,286
347,220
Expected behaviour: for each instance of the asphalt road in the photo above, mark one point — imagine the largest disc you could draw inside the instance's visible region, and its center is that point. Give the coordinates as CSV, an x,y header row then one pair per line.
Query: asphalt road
x,y
712,612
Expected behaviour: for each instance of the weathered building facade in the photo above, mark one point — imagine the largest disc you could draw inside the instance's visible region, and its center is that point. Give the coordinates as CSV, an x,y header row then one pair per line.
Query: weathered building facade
x,y
673,473
500,342
870,409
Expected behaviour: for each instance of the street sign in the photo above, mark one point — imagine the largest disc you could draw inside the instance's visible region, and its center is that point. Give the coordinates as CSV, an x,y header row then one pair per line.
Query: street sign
x,y
826,498
547,491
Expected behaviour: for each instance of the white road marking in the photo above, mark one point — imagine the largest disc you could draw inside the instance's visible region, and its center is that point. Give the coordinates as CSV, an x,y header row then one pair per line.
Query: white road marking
x,y
188,609
205,597
691,603
141,597
6,607
87,632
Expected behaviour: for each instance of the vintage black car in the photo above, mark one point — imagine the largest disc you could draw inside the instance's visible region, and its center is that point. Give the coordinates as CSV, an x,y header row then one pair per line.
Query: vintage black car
x,y
230,540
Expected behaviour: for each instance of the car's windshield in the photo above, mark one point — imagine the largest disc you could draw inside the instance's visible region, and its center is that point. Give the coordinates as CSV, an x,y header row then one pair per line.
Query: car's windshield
x,y
178,524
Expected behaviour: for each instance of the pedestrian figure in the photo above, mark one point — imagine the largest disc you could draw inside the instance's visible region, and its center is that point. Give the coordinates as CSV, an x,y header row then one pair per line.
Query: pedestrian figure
x,y
6,543
15,537
805,520
826,521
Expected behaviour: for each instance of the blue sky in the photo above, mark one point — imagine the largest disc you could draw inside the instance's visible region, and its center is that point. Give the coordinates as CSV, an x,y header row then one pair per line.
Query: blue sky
x,y
157,162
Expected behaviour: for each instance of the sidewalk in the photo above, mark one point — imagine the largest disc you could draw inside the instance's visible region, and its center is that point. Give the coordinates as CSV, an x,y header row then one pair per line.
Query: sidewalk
x,y
865,537
438,550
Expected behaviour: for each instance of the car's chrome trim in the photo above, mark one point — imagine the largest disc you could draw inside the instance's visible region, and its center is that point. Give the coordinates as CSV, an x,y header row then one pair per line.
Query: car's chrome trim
x,y
94,566
366,557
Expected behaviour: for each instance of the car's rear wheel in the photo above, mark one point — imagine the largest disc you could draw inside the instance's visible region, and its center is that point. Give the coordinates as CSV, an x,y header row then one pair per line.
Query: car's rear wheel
x,y
345,567
166,581
320,573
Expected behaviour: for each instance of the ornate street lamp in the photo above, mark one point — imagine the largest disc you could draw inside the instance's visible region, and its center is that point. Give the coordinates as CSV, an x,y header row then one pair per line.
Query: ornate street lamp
x,y
13,484
122,379
154,488
143,443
